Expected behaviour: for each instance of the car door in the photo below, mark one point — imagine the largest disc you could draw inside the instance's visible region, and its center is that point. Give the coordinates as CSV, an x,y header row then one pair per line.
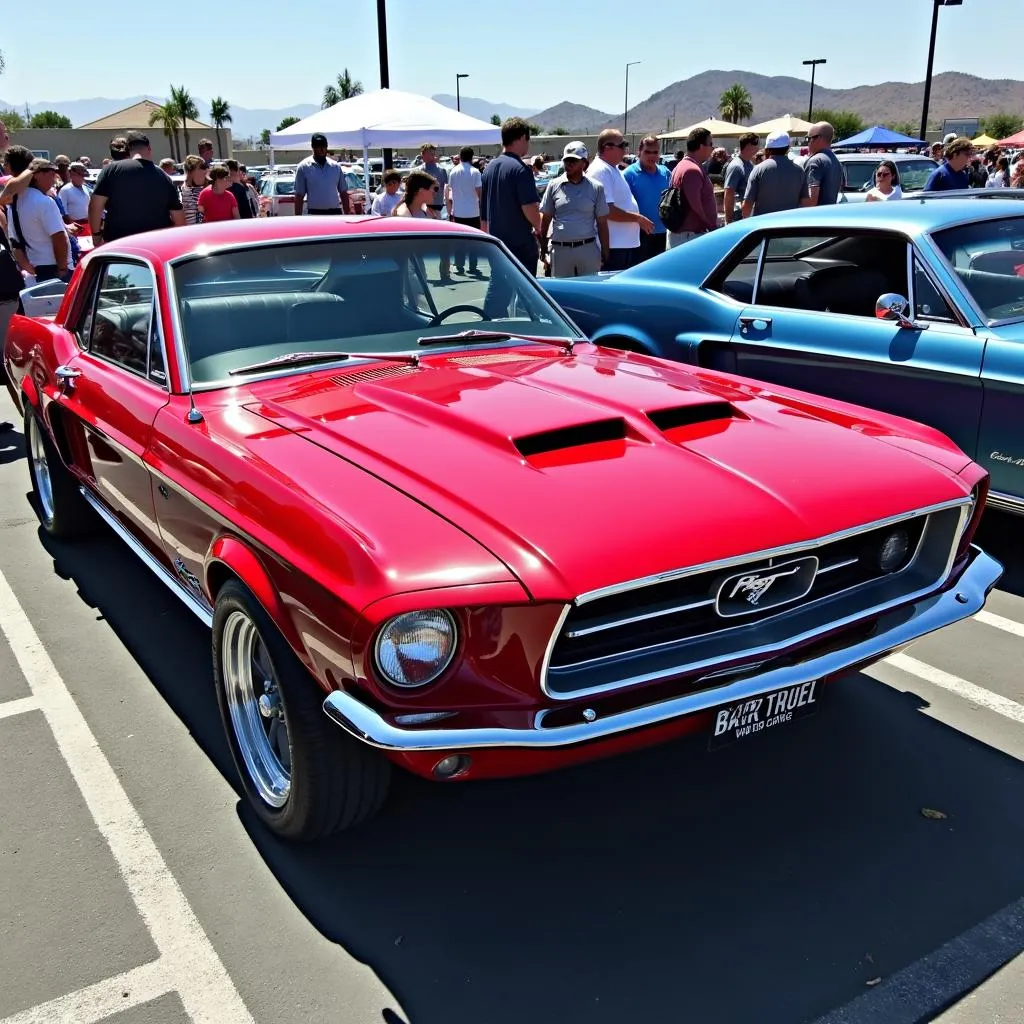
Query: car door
x,y
112,390
1001,438
812,326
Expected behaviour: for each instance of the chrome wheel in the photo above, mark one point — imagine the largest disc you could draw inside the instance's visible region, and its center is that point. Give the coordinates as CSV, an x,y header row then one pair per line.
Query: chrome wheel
x,y
255,709
40,469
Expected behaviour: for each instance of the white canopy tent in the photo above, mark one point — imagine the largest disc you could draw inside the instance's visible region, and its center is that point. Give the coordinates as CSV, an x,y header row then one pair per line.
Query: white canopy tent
x,y
384,119
788,123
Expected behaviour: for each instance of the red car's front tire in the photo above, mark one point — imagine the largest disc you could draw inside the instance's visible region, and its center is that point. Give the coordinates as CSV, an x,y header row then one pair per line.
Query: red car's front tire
x,y
63,512
303,776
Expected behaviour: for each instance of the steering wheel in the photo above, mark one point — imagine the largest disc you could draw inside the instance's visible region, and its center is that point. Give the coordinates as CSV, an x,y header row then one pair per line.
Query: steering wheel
x,y
439,318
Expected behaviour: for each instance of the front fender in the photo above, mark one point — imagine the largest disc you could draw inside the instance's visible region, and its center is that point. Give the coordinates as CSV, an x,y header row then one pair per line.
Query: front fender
x,y
638,339
229,555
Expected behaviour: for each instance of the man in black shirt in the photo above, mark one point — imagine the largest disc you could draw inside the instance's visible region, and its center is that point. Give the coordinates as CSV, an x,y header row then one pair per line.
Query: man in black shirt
x,y
509,207
133,195
238,189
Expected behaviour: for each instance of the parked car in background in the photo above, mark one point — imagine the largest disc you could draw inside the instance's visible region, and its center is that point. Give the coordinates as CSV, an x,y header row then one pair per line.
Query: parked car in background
x,y
429,526
859,169
916,308
279,189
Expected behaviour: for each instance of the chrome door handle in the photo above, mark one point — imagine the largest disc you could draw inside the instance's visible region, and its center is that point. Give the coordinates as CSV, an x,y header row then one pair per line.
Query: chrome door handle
x,y
66,377
759,323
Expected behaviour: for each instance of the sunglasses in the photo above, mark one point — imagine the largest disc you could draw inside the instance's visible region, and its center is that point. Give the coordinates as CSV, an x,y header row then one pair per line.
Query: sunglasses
x,y
883,174
811,138
617,145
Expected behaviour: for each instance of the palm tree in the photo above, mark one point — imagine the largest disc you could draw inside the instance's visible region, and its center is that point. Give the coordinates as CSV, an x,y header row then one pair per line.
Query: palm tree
x,y
181,100
735,104
220,115
167,117
344,89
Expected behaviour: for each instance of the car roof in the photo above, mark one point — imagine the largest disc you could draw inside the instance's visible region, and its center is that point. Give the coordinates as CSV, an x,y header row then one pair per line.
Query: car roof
x,y
879,157
172,243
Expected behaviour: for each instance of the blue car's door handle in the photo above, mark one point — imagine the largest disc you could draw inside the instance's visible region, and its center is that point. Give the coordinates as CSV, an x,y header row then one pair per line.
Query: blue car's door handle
x,y
759,323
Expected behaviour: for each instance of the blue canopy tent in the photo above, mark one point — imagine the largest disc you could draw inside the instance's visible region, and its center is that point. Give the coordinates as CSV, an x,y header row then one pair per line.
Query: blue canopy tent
x,y
877,135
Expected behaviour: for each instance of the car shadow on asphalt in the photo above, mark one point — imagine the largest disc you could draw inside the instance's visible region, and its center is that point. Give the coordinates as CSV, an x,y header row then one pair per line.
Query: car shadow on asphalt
x,y
999,534
768,882
12,446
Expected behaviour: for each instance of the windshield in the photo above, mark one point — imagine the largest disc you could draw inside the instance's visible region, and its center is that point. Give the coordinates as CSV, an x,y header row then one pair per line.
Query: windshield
x,y
357,294
988,257
860,174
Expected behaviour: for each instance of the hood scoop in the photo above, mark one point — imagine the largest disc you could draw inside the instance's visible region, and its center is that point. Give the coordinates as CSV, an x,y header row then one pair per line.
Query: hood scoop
x,y
576,436
668,420
372,373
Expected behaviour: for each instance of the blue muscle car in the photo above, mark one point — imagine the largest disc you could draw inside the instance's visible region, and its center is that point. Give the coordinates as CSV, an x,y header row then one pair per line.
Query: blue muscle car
x,y
913,307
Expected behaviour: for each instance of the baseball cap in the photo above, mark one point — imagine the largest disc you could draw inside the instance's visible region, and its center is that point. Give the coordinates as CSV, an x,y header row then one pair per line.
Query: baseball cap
x,y
78,168
777,140
39,164
575,150
949,137
318,139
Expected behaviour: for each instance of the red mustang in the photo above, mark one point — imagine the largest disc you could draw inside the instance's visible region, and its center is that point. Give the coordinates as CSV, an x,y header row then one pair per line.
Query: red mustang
x,y
432,510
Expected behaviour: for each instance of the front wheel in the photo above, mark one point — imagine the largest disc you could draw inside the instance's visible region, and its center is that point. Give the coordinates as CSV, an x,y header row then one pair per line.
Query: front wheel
x,y
304,777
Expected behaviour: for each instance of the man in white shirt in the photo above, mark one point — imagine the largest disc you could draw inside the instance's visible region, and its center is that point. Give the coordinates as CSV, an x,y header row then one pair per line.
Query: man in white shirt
x,y
74,195
625,221
462,197
38,228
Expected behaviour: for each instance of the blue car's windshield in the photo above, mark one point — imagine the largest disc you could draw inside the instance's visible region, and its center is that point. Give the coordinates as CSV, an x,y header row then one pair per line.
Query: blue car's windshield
x,y
988,257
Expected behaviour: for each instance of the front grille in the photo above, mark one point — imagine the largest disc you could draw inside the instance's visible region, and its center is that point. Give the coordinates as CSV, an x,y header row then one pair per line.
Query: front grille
x,y
679,625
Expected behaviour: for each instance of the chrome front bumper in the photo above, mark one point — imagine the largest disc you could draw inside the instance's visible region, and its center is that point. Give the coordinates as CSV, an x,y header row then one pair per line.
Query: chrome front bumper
x,y
895,629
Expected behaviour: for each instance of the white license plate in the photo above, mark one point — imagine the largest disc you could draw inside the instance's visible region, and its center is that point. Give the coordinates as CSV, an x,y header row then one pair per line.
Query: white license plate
x,y
756,715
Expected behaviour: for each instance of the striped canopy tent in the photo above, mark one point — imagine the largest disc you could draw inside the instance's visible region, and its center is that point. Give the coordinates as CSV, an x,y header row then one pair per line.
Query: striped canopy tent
x,y
718,129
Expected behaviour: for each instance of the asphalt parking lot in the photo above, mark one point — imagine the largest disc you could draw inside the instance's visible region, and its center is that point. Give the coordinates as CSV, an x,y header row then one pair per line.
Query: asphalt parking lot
x,y
790,879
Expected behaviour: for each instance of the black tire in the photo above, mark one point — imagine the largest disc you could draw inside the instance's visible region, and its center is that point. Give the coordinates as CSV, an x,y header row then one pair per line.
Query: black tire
x,y
335,781
66,515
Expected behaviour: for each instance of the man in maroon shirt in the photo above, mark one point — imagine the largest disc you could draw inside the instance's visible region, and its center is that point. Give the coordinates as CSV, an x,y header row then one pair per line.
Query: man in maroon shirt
x,y
697,191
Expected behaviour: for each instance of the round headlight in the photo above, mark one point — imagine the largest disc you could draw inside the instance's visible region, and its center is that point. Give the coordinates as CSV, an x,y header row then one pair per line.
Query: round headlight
x,y
413,649
894,550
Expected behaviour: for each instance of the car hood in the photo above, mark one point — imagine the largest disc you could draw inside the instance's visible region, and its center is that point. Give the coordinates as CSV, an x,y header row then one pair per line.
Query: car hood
x,y
582,471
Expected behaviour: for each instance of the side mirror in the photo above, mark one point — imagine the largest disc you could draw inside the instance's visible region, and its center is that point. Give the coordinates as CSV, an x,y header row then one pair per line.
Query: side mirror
x,y
892,306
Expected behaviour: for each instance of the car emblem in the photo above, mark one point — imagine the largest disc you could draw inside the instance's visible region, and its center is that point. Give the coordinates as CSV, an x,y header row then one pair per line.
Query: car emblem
x,y
754,590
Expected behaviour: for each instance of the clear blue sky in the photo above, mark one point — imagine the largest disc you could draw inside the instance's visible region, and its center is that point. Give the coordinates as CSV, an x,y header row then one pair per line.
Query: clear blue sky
x,y
529,53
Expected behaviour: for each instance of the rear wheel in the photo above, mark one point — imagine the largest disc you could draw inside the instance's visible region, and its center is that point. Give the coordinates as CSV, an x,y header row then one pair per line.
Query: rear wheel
x,y
62,511
304,777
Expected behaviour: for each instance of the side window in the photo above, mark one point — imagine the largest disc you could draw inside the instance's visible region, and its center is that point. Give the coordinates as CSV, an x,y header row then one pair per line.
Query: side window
x,y
88,310
928,301
120,329
737,279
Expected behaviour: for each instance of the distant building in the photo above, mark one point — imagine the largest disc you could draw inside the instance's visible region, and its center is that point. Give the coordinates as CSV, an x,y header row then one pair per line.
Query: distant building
x,y
93,139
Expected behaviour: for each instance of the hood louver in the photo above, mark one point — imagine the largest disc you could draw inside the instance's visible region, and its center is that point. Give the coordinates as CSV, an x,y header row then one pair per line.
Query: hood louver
x,y
571,437
690,415
348,380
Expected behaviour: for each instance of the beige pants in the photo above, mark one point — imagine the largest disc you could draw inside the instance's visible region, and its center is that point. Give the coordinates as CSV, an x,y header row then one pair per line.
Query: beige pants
x,y
575,262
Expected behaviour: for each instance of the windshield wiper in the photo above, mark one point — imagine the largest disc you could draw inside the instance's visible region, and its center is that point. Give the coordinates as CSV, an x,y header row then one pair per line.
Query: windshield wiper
x,y
471,335
301,358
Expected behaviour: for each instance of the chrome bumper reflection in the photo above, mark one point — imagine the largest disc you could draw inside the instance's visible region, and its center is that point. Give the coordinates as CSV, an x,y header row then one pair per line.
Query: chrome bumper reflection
x,y
896,629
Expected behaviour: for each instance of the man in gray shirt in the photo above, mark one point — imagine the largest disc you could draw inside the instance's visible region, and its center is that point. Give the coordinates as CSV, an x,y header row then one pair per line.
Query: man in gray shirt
x,y
775,183
736,175
823,173
322,180
577,206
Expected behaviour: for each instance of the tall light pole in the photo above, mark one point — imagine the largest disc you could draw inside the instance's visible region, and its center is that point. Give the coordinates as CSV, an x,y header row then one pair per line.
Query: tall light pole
x,y
458,100
385,77
931,60
814,65
625,116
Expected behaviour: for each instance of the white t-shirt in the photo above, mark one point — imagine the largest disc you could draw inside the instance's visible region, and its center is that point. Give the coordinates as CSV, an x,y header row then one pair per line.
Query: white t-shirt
x,y
621,235
76,201
877,193
39,219
464,180
384,205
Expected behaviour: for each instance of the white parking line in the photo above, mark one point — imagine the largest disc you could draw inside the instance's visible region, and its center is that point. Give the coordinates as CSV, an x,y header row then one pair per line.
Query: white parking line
x,y
961,687
188,961
1000,622
104,999
18,707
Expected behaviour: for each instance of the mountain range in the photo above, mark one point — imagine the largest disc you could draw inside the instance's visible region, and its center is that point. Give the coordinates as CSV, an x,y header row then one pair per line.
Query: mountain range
x,y
953,95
